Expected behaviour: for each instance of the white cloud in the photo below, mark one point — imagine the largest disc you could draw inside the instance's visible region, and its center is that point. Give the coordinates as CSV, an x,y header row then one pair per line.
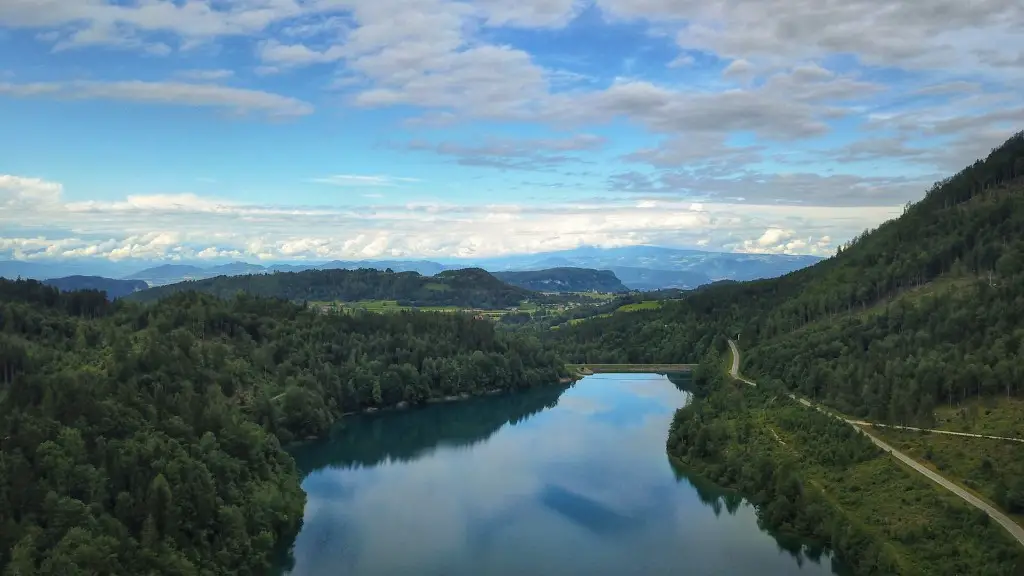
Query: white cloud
x,y
19,192
944,35
238,100
738,68
179,226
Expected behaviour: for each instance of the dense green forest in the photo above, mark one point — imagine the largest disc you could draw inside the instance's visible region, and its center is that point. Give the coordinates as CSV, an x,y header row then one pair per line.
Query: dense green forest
x,y
142,439
468,288
564,280
924,310
815,477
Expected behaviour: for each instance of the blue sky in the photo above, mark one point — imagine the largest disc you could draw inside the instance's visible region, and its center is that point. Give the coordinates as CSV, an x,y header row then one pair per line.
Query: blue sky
x,y
313,129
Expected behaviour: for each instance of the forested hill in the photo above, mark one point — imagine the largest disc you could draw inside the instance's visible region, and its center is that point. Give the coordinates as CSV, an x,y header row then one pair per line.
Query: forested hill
x,y
564,280
470,287
926,308
147,439
113,287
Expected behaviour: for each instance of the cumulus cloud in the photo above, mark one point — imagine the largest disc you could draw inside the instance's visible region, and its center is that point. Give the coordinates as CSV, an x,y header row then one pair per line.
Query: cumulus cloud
x,y
785,241
186,226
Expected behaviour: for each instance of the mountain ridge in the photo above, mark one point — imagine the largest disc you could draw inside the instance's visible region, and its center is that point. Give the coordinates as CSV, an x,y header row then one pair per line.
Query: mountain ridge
x,y
673,267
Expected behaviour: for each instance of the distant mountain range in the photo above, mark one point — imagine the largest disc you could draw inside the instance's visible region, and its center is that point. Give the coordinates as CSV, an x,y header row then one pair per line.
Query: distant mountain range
x,y
467,287
114,288
637,267
564,280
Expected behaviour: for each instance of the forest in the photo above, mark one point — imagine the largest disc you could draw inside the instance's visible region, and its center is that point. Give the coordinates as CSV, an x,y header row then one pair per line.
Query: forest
x,y
467,288
147,439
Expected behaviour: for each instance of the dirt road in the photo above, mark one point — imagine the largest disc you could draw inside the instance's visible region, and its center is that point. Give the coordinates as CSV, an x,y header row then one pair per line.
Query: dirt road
x,y
934,431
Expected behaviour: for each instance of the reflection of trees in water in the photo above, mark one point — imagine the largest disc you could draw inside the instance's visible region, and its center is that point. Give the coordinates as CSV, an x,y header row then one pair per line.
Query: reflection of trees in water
x,y
715,497
682,380
369,439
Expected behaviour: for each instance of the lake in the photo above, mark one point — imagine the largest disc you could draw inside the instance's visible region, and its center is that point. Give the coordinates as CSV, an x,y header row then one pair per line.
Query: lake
x,y
562,481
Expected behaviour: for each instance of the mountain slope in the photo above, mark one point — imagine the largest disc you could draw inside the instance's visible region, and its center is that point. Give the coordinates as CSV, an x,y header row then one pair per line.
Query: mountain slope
x,y
168,273
472,287
564,280
846,330
652,279
113,287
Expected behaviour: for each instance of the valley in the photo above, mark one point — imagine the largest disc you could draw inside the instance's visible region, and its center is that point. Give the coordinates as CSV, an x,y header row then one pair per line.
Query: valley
x,y
161,429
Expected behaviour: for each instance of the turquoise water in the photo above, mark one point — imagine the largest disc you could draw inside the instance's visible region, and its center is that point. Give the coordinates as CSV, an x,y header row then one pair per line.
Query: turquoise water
x,y
561,481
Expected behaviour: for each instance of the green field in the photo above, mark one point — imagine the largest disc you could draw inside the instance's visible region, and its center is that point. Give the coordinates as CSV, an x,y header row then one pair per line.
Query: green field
x,y
388,306
639,306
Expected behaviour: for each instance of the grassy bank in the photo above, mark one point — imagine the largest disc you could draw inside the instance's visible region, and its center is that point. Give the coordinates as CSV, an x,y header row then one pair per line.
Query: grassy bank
x,y
992,469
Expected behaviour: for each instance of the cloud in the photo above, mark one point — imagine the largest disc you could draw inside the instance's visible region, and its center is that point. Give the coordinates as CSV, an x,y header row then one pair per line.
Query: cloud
x,y
182,226
20,192
206,75
516,154
238,100
878,32
738,68
807,189
362,180
785,241
273,52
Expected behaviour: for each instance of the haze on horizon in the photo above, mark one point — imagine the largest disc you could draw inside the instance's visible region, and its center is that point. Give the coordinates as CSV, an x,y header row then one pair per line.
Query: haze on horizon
x,y
289,130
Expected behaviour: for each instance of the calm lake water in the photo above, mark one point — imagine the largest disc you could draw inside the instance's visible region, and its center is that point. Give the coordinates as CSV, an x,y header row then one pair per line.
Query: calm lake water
x,y
561,481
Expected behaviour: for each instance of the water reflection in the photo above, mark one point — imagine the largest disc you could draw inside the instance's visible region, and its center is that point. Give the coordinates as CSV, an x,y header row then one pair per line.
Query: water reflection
x,y
557,481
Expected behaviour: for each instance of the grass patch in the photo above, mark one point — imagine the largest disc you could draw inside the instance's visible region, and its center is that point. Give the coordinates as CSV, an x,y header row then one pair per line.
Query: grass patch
x,y
639,306
437,287
992,416
992,469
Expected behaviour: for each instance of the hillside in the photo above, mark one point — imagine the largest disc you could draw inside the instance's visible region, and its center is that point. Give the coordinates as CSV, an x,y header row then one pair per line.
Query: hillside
x,y
564,280
168,273
148,440
868,331
114,288
648,279
469,288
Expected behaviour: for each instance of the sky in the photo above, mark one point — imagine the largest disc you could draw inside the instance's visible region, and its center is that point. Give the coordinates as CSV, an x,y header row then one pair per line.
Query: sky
x,y
321,129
